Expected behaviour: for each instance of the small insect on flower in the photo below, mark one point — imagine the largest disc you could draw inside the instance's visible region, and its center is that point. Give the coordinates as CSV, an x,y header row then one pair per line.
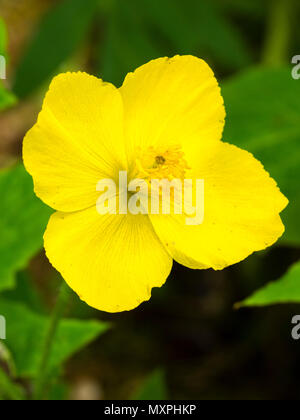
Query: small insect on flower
x,y
165,122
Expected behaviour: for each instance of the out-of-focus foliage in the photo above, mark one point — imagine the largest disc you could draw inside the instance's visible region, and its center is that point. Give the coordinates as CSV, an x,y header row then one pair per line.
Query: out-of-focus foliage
x,y
121,54
154,387
8,389
263,117
59,34
285,290
252,8
135,29
198,25
7,99
27,331
6,357
131,37
22,223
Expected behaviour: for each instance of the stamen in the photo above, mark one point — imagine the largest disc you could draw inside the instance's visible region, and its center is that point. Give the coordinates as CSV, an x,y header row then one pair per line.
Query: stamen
x,y
160,160
161,163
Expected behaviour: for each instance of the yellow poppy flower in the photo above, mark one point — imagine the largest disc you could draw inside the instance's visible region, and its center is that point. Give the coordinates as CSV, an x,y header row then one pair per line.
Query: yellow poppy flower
x,y
169,111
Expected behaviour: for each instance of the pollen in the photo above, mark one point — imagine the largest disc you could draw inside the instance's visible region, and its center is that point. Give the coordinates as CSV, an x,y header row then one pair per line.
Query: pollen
x,y
162,163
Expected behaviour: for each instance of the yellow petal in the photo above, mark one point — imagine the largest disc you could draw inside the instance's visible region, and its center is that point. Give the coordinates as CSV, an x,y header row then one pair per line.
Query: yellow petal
x,y
241,213
111,261
173,101
77,140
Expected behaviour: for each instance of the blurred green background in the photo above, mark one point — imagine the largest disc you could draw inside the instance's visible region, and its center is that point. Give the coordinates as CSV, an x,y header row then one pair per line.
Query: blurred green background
x,y
188,342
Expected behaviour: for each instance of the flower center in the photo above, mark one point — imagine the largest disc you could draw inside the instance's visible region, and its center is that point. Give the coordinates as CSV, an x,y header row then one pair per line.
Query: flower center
x,y
162,163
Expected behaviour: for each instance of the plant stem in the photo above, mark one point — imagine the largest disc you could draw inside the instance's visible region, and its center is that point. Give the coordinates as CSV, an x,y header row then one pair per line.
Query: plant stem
x,y
43,371
279,32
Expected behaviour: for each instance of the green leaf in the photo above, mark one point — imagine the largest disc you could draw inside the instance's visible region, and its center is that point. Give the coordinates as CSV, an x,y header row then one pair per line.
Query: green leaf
x,y
59,34
263,117
23,220
25,292
26,332
154,387
285,290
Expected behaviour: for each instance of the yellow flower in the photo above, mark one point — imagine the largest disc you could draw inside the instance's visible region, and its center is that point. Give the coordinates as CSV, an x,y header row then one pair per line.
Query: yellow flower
x,y
165,121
